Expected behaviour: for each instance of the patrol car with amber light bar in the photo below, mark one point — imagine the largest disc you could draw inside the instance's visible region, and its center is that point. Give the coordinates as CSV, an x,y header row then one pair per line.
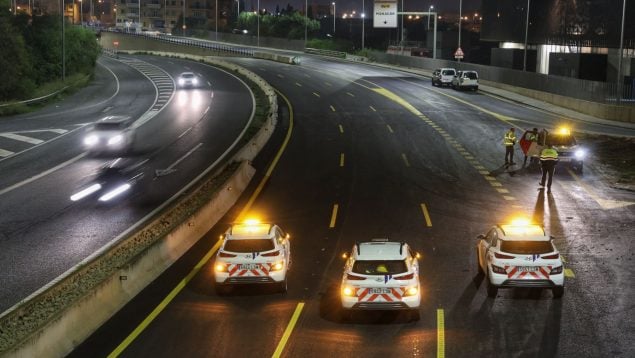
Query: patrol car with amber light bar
x,y
381,275
253,253
519,254
569,151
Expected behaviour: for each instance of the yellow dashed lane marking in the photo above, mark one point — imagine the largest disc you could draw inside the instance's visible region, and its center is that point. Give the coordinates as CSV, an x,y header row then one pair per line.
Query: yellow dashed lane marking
x,y
440,334
390,128
341,128
426,215
350,94
342,160
288,330
332,108
502,191
495,183
569,273
297,84
509,198
484,172
333,216
316,94
372,108
487,177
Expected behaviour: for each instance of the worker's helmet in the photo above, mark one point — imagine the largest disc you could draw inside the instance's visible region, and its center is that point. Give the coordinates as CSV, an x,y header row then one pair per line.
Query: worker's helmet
x,y
381,268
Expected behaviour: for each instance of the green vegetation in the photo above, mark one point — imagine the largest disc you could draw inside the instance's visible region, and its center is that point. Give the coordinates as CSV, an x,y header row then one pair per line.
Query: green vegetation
x,y
31,54
290,26
331,44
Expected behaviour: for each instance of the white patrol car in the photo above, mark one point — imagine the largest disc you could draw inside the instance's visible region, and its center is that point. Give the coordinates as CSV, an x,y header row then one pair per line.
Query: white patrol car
x,y
569,151
519,254
253,253
381,275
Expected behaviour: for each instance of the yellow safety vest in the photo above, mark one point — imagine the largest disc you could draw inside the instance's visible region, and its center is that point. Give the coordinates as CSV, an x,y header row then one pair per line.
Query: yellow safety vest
x,y
510,138
549,154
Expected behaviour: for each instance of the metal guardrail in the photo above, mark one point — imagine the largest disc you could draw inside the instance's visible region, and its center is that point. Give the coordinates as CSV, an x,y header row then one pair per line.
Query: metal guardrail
x,y
35,100
331,53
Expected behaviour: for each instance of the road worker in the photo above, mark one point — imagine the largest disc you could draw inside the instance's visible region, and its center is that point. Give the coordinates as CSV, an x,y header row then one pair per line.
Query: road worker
x,y
531,136
548,161
509,141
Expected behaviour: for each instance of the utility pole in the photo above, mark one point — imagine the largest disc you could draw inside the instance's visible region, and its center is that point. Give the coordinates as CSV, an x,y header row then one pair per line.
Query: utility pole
x,y
620,82
460,18
526,32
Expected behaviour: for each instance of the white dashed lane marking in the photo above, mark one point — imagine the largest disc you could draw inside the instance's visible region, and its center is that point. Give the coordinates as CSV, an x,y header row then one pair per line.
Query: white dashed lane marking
x,y
21,138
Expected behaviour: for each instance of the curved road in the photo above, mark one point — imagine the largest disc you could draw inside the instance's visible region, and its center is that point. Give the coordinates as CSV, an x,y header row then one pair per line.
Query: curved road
x,y
43,233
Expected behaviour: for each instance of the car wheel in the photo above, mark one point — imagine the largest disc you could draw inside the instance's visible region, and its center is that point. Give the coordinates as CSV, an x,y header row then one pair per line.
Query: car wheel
x,y
557,291
492,290
413,315
475,89
282,286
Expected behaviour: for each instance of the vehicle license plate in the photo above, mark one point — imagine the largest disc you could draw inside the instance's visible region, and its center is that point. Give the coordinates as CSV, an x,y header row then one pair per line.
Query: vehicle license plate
x,y
379,291
527,269
248,266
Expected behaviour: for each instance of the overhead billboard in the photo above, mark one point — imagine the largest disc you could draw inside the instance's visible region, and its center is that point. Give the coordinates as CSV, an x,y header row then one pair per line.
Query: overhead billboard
x,y
385,14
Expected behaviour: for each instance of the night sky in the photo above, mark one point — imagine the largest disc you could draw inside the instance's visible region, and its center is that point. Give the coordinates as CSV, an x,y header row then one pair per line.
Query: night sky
x,y
349,5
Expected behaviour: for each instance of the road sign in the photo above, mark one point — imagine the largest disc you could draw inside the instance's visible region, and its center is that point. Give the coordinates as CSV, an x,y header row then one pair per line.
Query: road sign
x,y
385,14
458,53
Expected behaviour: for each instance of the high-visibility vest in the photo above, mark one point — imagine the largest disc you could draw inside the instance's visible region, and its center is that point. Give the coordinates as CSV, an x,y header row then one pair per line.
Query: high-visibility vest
x,y
549,154
510,138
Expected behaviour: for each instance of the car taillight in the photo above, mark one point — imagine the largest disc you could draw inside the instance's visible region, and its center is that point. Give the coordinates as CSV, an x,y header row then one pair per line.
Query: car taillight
x,y
269,254
220,267
551,257
411,291
502,256
405,277
348,291
497,269
224,254
556,270
277,266
354,278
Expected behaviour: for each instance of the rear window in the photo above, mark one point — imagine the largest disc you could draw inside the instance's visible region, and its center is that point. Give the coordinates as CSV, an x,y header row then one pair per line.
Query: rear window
x,y
471,75
527,247
252,245
448,72
380,267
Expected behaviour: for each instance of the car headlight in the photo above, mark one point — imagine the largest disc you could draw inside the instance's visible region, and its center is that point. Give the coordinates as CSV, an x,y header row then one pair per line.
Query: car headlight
x,y
220,267
116,140
348,291
91,140
580,154
277,266
412,291
195,81
181,82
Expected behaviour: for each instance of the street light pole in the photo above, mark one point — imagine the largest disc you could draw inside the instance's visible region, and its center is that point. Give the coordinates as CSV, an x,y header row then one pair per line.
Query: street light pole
x,y
216,18
460,17
184,27
333,3
363,22
63,42
306,21
620,82
526,32
429,11
258,25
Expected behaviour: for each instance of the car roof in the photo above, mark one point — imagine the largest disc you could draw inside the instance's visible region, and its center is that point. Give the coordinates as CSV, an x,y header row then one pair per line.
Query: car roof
x,y
114,119
380,249
529,232
250,231
187,73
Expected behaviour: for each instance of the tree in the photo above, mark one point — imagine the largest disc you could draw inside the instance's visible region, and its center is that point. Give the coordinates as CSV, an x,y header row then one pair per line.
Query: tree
x,y
15,76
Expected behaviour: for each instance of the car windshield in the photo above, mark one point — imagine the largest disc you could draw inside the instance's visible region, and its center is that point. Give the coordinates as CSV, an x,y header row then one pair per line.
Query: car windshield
x,y
561,139
471,75
448,72
527,247
109,126
187,75
249,245
380,267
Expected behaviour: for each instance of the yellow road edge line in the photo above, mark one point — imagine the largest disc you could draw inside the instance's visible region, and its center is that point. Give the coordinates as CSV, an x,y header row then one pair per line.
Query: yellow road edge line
x,y
373,108
341,159
426,215
297,84
341,128
288,330
333,216
440,333
569,273
164,303
332,109
176,290
350,94
390,128
316,94
405,159
273,164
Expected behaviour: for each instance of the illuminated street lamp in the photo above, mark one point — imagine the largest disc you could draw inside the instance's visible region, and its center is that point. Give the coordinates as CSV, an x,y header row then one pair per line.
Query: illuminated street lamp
x,y
460,9
363,21
333,3
429,11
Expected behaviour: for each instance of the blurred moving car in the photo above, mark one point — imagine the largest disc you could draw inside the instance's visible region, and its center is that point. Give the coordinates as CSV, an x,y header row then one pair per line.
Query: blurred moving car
x,y
113,180
187,80
465,80
443,76
569,151
110,135
253,253
519,254
381,275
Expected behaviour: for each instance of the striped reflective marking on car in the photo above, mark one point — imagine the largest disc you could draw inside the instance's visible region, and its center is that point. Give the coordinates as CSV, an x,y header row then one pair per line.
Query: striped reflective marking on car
x,y
364,294
540,272
261,270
